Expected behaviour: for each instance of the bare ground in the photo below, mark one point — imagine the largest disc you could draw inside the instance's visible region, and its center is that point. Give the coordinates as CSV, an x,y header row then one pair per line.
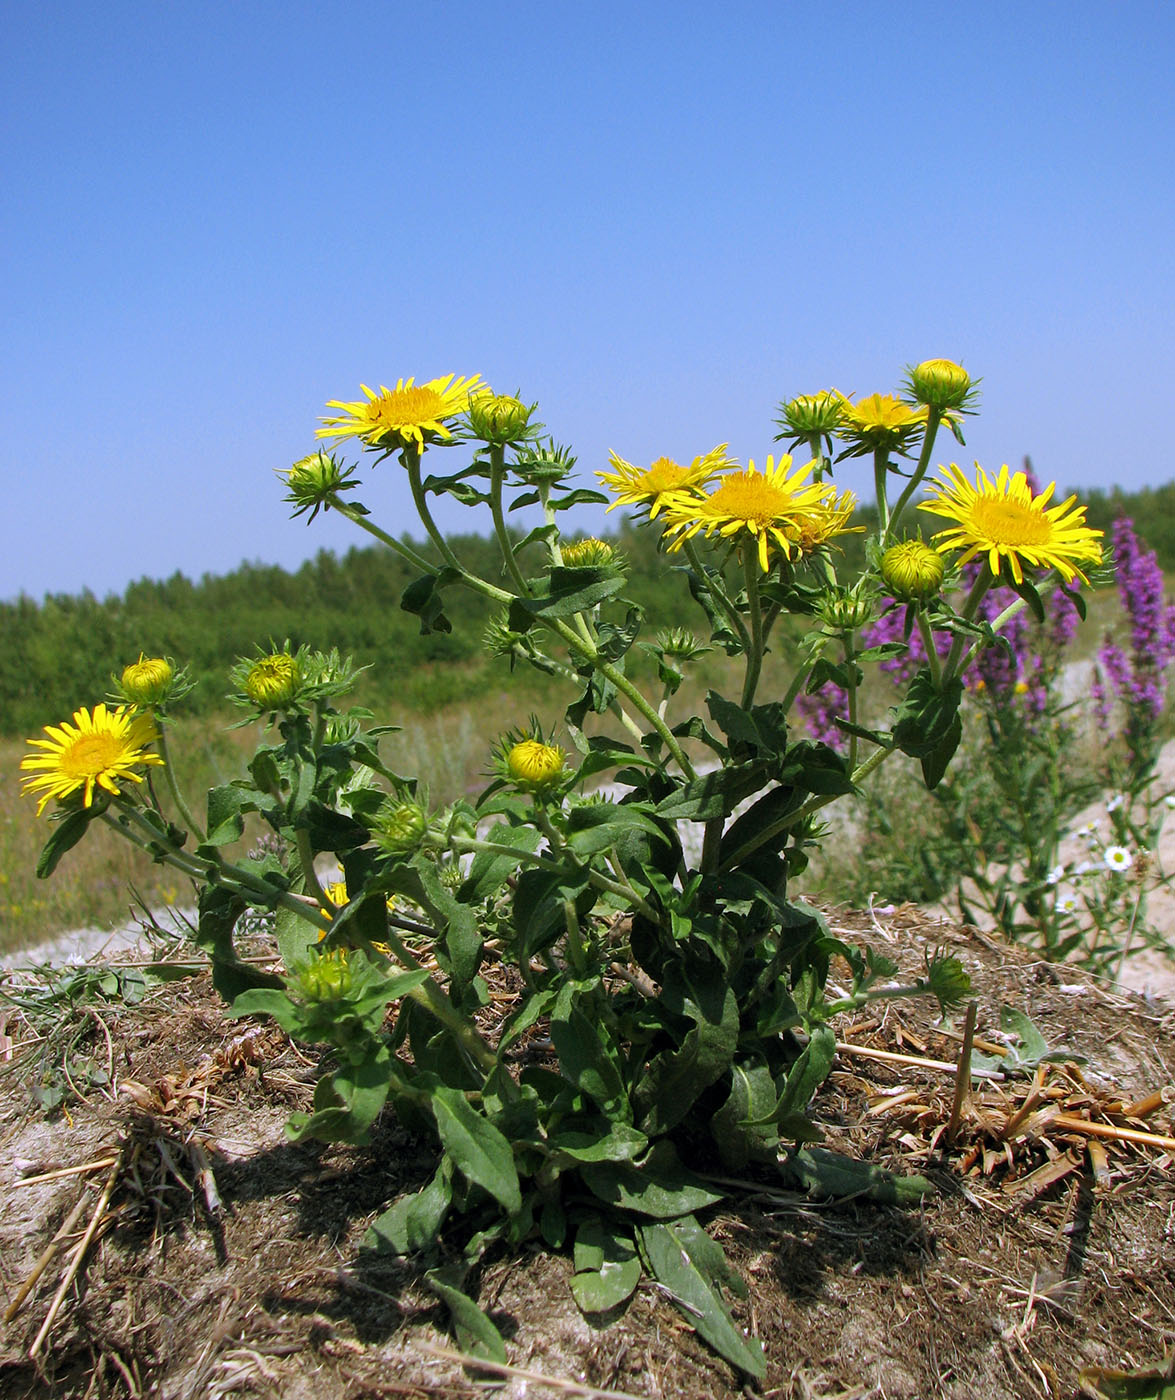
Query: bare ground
x,y
226,1260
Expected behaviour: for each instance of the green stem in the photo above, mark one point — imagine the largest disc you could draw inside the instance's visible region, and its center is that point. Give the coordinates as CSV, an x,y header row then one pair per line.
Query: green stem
x,y
850,645
309,874
418,561
1008,613
754,664
933,660
933,420
431,995
718,592
497,476
982,583
880,486
172,786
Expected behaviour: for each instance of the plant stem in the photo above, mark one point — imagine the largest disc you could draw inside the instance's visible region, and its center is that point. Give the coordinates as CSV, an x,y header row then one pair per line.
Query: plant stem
x,y
172,786
431,995
933,661
717,591
880,483
497,474
933,420
754,664
982,583
418,561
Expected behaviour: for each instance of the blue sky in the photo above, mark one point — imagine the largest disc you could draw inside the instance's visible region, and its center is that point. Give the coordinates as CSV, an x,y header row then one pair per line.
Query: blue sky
x,y
656,219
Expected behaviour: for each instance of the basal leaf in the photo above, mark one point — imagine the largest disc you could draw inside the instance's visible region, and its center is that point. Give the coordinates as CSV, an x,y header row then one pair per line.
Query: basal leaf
x,y
607,1267
479,1150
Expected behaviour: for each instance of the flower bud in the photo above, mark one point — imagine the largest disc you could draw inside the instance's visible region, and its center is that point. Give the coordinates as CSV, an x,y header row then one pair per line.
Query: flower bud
x,y
846,612
147,682
534,765
913,572
681,644
940,384
273,681
813,415
589,553
400,826
327,978
499,418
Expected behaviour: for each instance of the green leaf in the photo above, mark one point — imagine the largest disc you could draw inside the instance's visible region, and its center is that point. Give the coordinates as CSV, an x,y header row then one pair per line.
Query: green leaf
x,y
488,872
225,822
681,1263
673,1079
347,1102
1153,1382
714,794
620,1144
479,1150
476,1334
744,1127
607,1267
584,1059
661,1187
825,1173
65,835
570,591
413,1223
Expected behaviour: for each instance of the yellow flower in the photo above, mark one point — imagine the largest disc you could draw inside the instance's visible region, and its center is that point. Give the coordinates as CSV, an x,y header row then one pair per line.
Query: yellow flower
x,y
499,418
639,486
403,416
99,749
273,681
400,826
881,421
913,572
533,764
778,507
147,681
1003,520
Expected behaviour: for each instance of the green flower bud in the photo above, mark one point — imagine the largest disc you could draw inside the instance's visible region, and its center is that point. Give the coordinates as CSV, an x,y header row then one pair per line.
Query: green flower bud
x,y
589,553
941,384
314,481
327,978
147,682
272,682
913,572
812,415
681,644
846,612
400,826
499,419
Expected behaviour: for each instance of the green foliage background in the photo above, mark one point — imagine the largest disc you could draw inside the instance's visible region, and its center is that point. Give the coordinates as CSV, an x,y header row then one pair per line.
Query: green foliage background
x,y
59,654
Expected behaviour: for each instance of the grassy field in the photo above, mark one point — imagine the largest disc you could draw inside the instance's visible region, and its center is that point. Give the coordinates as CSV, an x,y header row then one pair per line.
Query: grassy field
x,y
447,746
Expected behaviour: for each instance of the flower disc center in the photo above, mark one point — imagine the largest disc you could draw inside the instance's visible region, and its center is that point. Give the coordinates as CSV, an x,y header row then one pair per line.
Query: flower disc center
x,y
744,496
91,754
1010,523
414,404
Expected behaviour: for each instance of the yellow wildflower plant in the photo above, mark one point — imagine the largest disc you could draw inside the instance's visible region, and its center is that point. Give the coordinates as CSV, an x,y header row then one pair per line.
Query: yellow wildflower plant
x,y
272,682
651,485
534,765
1006,523
943,385
99,750
777,508
406,416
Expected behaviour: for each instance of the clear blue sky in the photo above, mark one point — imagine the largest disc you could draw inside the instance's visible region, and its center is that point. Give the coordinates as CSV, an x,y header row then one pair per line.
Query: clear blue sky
x,y
656,219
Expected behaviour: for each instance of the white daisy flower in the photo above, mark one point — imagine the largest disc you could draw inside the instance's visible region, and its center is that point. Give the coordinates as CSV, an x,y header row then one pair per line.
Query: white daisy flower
x,y
1067,903
1082,868
1054,874
1170,799
1113,803
1118,858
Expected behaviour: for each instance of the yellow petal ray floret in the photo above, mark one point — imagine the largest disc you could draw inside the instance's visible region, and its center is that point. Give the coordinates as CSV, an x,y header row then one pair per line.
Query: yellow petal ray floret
x,y
402,416
640,486
777,508
1005,522
98,750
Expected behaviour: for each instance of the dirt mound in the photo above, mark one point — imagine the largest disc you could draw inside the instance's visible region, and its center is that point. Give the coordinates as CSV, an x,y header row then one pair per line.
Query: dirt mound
x,y
226,1260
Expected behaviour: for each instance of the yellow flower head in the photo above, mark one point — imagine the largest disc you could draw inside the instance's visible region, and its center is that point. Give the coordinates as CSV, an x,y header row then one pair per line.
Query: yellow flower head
x,y
1005,522
881,421
913,572
641,486
273,681
147,681
776,508
403,416
98,750
534,765
326,977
